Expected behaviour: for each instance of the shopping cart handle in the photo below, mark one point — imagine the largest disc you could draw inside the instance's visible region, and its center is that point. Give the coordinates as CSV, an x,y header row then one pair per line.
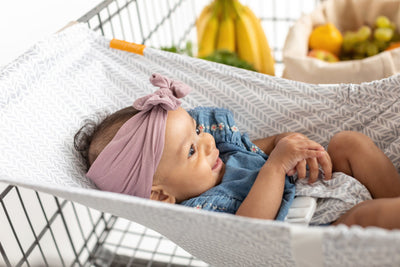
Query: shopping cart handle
x,y
127,46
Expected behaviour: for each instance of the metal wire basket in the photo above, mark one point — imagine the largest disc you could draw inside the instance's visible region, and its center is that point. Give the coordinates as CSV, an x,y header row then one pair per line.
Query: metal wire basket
x,y
43,230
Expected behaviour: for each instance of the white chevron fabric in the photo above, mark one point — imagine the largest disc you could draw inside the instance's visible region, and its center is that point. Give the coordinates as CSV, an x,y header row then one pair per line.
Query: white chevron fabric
x,y
334,197
49,90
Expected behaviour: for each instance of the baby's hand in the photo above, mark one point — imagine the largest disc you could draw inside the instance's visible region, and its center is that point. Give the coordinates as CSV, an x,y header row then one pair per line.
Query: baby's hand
x,y
293,151
313,168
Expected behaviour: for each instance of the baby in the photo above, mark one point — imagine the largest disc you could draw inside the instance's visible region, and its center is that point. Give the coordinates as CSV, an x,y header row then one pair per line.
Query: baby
x,y
157,150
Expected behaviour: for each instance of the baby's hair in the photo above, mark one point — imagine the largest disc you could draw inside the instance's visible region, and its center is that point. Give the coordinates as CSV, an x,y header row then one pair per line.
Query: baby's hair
x,y
95,134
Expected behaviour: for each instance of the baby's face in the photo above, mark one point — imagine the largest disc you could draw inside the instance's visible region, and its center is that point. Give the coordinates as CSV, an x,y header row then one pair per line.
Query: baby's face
x,y
189,164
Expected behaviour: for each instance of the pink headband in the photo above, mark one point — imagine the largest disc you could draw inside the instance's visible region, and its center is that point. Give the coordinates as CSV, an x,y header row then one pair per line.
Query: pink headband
x,y
128,163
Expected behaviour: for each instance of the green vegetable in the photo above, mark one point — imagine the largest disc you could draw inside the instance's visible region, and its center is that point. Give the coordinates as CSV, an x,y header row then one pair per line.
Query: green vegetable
x,y
229,58
187,50
219,56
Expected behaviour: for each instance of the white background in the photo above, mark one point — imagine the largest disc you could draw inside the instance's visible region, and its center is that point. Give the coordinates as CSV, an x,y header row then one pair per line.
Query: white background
x,y
24,22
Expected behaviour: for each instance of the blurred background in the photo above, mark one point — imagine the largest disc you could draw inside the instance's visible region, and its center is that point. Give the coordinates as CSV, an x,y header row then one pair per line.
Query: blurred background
x,y
24,22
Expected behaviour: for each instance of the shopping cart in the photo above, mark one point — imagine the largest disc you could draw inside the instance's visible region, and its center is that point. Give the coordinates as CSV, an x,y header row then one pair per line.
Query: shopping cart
x,y
40,229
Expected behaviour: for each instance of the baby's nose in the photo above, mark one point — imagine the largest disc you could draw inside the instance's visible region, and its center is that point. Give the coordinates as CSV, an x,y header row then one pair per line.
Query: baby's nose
x,y
207,142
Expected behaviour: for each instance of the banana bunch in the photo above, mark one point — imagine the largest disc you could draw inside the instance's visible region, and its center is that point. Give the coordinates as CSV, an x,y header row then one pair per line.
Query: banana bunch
x,y
229,26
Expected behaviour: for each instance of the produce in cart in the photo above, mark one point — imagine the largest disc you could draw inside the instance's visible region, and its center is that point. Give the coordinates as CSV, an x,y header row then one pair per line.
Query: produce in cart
x,y
228,29
366,41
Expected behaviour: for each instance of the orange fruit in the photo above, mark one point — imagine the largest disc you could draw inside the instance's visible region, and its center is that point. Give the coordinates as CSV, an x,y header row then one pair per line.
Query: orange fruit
x,y
326,37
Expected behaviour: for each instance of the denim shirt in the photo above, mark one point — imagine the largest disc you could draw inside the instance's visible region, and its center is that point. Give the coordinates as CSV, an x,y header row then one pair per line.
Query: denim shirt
x,y
243,161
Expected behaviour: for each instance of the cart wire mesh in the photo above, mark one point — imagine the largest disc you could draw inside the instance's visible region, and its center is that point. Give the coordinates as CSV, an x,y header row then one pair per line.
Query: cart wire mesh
x,y
43,230
38,229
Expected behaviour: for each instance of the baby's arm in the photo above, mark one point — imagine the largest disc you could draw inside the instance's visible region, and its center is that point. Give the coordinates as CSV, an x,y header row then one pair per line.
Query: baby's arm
x,y
264,198
267,144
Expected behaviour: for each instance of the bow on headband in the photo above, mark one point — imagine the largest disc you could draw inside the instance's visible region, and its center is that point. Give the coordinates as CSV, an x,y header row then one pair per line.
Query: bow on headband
x,y
128,163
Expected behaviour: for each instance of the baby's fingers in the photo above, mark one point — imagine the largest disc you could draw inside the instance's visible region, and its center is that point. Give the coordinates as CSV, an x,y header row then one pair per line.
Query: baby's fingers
x,y
291,172
311,153
307,149
313,170
326,165
311,145
301,169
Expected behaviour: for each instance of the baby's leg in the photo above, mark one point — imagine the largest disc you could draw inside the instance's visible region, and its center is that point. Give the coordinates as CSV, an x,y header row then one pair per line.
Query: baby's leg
x,y
356,155
382,212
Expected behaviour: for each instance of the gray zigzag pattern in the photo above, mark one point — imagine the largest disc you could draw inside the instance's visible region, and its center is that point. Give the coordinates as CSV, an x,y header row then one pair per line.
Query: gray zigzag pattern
x,y
334,197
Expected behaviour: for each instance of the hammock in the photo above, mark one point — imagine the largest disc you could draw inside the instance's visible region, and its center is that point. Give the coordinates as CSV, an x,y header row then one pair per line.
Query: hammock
x,y
48,91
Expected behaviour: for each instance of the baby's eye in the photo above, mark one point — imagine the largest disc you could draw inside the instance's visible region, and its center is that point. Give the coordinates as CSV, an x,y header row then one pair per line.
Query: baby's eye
x,y
198,131
191,151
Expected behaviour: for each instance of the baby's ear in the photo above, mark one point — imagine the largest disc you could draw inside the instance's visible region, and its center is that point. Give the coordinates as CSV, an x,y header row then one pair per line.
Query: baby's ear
x,y
159,194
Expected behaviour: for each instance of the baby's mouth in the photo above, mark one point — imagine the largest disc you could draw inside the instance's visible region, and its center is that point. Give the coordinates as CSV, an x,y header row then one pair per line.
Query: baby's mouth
x,y
217,164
